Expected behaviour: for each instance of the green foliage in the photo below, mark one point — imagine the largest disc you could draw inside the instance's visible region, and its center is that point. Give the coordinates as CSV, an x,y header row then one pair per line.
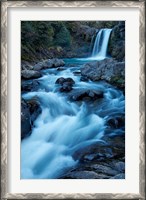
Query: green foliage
x,y
63,37
38,37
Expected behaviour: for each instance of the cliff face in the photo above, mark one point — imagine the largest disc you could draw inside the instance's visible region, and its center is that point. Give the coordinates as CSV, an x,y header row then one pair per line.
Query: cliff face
x,y
62,39
117,42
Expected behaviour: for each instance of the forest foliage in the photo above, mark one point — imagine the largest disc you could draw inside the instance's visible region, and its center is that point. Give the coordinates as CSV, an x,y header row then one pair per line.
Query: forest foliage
x,y
44,39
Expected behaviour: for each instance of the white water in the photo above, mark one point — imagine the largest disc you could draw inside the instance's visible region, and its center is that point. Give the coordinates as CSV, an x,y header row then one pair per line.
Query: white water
x,y
101,43
64,127
99,51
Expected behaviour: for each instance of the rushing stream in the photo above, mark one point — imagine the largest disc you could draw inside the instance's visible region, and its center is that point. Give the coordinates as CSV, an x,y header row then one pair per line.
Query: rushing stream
x,y
64,126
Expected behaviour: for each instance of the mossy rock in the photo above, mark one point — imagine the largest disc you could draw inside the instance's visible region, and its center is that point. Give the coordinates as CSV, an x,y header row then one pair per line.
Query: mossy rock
x,y
118,81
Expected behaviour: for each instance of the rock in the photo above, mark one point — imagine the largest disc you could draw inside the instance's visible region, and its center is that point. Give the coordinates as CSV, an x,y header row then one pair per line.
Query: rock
x,y
84,79
30,110
60,68
25,120
77,73
120,166
108,69
104,169
60,80
51,63
34,109
117,42
26,67
70,80
66,84
98,152
82,94
83,175
119,176
30,74
116,122
91,71
86,32
27,86
57,62
66,87
118,141
39,66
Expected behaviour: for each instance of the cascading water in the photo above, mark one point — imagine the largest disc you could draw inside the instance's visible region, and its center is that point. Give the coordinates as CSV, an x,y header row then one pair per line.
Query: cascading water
x,y
101,44
64,127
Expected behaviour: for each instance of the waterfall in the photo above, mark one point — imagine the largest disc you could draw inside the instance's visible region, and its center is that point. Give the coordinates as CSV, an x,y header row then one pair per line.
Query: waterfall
x,y
101,44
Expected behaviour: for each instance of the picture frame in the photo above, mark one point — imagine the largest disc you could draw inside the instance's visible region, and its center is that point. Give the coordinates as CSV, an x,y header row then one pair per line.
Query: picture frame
x,y
5,119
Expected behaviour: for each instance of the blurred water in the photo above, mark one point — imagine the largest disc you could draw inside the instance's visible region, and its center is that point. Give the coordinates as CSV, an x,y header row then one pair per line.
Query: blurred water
x,y
65,126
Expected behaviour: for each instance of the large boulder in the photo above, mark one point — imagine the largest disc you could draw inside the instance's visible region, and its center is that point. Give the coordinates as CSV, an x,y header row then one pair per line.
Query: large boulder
x,y
57,62
85,174
29,86
98,152
25,120
50,63
108,69
85,94
65,83
40,66
30,110
34,109
30,74
116,122
26,66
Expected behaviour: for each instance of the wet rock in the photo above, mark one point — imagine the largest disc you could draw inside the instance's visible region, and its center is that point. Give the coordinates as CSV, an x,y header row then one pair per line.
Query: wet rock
x,y
66,84
57,62
119,176
98,152
116,141
70,80
86,32
30,110
34,109
27,86
30,74
60,68
40,66
108,69
104,169
51,63
83,175
60,80
84,79
120,166
26,67
116,122
66,87
25,120
82,94
77,73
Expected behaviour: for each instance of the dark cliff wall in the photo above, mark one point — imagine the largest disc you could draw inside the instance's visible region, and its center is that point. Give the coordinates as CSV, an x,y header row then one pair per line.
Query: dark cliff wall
x,y
117,42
